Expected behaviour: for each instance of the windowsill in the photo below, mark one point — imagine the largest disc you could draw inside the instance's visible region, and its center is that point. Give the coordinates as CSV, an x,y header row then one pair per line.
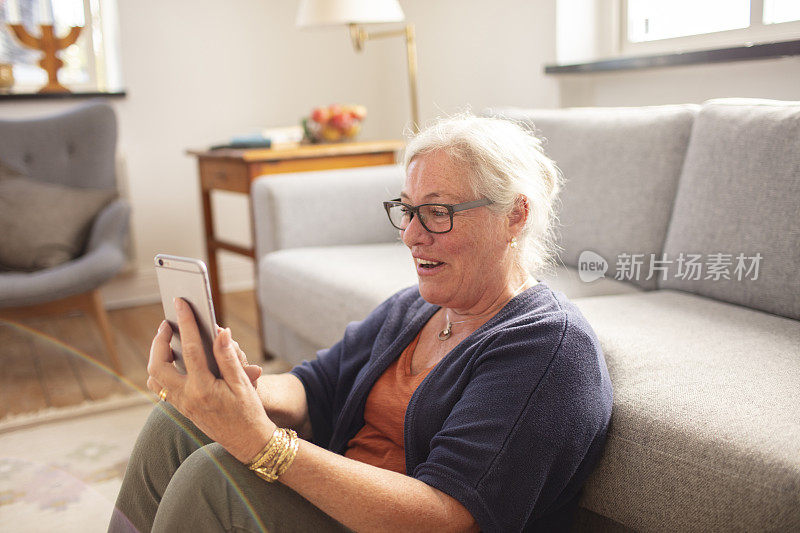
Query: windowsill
x,y
718,55
62,96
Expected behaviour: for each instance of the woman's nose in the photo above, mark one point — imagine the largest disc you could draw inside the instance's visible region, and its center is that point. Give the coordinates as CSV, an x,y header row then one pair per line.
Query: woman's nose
x,y
415,233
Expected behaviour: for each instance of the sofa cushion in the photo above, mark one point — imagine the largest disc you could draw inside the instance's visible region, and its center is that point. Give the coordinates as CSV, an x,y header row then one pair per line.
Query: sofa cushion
x,y
740,194
621,167
44,224
705,429
317,291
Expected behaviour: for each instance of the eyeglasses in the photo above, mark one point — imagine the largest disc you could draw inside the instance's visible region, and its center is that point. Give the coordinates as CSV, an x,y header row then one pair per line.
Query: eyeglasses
x,y
435,218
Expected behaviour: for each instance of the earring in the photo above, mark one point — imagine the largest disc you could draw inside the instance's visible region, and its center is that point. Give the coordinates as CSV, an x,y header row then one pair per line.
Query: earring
x,y
513,242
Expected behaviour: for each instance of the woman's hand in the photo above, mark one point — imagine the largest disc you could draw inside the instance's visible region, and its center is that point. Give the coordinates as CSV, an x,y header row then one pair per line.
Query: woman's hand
x,y
228,410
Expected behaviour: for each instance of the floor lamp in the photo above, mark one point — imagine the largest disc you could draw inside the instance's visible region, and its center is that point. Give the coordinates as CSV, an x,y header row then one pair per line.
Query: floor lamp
x,y
354,13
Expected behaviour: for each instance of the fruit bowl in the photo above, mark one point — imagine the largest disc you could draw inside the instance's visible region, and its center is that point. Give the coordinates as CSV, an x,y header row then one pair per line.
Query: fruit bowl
x,y
334,123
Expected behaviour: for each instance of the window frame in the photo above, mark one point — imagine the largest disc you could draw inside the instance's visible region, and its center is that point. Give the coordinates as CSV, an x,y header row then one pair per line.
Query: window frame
x,y
756,33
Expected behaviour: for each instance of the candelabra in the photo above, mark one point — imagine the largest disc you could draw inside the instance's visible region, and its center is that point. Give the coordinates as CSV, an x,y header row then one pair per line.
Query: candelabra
x,y
50,45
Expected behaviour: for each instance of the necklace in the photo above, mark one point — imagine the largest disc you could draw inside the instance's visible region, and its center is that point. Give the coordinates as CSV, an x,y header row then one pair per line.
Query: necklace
x,y
448,330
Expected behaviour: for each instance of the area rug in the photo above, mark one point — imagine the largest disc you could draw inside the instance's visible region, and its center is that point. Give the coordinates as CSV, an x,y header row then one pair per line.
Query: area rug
x,y
63,473
53,414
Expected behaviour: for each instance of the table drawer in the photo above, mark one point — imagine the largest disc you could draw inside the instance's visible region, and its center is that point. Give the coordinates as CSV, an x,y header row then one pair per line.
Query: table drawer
x,y
224,175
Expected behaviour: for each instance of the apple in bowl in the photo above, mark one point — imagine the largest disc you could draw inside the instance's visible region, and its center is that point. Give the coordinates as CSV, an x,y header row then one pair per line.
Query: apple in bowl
x,y
334,123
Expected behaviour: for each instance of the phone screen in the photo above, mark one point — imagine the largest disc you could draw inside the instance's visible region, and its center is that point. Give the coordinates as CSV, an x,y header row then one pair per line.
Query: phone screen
x,y
187,278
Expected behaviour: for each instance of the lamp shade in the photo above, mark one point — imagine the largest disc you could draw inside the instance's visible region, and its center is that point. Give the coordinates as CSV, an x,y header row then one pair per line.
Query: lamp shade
x,y
336,12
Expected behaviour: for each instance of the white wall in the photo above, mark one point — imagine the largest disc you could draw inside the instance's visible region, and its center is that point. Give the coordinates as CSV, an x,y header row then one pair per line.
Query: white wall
x,y
476,53
197,72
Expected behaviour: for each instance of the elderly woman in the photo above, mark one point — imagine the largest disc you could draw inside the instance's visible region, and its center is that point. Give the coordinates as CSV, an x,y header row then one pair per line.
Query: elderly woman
x,y
478,399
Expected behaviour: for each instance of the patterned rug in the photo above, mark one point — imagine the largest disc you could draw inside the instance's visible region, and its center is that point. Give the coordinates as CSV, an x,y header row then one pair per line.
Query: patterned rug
x,y
62,471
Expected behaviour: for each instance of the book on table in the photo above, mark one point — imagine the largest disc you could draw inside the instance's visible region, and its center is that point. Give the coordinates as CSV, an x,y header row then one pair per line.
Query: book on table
x,y
275,138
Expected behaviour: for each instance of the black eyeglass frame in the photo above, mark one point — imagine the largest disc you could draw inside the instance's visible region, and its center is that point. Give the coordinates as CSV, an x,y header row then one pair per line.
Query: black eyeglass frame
x,y
451,210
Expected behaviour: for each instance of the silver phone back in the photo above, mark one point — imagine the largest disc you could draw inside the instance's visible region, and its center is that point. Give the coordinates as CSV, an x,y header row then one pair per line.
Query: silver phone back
x,y
187,278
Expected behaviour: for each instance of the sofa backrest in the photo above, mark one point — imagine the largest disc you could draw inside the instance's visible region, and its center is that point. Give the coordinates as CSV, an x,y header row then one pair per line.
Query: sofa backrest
x,y
324,208
75,148
739,196
621,167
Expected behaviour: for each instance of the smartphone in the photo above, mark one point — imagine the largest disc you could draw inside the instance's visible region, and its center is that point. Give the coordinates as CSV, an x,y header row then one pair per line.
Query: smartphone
x,y
187,278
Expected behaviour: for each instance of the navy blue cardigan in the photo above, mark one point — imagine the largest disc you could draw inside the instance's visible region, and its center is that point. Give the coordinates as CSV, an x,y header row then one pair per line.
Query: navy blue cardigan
x,y
510,423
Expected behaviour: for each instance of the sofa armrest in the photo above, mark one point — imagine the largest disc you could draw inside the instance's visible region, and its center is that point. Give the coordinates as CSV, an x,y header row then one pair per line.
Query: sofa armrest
x,y
324,208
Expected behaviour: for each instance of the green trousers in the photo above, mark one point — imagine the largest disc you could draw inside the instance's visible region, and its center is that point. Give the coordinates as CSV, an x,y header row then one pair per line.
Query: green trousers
x,y
179,480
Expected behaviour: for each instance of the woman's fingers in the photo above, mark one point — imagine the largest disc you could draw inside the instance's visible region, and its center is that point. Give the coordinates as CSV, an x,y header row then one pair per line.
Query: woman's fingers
x,y
192,350
239,351
153,385
230,366
160,352
160,364
253,373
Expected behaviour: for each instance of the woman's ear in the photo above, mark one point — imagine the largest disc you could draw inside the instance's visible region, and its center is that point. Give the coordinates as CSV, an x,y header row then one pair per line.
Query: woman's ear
x,y
519,214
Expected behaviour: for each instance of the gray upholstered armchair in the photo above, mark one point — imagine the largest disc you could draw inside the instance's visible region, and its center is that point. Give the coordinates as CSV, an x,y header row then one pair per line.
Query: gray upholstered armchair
x,y
77,149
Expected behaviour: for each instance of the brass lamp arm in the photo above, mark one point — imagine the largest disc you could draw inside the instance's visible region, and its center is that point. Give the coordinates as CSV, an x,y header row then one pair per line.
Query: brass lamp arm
x,y
360,36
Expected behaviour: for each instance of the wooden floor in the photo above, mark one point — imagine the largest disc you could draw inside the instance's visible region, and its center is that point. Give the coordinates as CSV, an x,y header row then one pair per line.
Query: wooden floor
x,y
61,361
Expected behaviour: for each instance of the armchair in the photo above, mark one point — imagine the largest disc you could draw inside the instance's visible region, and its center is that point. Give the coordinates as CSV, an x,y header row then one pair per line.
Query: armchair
x,y
77,149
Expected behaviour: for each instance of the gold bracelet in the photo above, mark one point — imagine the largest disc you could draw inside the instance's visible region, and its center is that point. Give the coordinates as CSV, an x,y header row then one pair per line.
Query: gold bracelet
x,y
266,452
292,454
262,464
282,466
276,457
282,457
278,443
268,457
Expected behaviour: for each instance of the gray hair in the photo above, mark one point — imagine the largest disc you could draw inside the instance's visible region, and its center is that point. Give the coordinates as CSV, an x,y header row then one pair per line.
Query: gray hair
x,y
504,161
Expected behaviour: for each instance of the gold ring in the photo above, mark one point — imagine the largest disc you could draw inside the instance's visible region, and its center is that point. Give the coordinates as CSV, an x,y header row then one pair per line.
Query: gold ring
x,y
163,395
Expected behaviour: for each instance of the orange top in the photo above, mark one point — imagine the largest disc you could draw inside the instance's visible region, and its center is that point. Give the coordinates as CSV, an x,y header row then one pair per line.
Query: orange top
x,y
381,442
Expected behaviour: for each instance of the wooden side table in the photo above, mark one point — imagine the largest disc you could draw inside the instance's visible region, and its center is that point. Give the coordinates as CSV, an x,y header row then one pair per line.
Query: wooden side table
x,y
234,170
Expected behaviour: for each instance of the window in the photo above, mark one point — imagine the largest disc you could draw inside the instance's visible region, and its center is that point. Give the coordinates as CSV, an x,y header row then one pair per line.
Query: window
x,y
777,11
650,20
661,26
91,64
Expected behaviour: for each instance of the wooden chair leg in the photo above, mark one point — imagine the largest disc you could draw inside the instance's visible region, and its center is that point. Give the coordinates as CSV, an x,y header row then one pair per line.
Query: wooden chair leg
x,y
98,312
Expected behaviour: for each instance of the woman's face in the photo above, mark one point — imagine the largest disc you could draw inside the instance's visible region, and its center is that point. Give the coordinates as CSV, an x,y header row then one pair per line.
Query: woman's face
x,y
466,267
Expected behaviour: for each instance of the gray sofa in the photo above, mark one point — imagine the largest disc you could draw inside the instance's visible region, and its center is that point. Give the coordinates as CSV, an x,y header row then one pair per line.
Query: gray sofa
x,y
705,431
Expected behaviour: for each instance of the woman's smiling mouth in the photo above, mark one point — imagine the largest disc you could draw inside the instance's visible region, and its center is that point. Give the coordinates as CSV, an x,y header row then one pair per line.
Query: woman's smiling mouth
x,y
425,266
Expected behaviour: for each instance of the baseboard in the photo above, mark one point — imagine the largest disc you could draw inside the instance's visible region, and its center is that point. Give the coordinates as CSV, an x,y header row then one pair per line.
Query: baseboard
x,y
139,286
